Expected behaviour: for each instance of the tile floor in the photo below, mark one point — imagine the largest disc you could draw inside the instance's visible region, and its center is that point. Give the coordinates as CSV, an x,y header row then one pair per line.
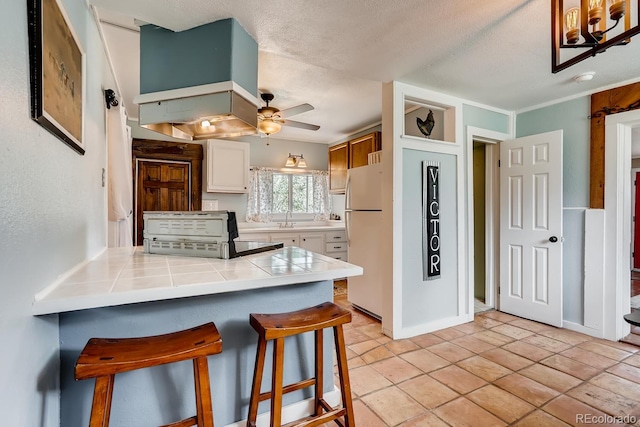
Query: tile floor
x,y
498,370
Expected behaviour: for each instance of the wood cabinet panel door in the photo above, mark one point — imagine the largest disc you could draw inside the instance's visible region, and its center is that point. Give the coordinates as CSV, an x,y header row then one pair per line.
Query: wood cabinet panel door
x,y
360,148
162,186
338,164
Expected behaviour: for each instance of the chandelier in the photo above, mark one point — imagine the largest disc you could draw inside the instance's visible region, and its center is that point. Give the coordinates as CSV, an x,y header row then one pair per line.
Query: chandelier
x,y
586,27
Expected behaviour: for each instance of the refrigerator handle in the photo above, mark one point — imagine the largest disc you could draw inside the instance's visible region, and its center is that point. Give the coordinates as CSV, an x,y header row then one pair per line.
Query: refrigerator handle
x,y
347,219
347,192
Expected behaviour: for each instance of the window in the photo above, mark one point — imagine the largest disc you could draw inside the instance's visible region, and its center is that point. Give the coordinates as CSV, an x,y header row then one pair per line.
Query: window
x,y
292,193
274,193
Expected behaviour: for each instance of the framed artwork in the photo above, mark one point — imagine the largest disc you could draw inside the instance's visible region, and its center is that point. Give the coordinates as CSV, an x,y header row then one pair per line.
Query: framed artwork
x,y
57,67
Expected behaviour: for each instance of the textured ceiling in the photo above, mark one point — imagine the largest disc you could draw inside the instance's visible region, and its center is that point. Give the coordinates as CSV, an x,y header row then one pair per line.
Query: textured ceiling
x,y
335,54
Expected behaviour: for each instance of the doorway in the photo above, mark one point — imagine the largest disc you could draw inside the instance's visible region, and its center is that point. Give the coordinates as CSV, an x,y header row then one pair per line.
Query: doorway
x,y
167,176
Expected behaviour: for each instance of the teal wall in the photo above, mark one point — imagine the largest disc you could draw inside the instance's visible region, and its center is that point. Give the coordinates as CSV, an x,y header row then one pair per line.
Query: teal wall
x,y
426,301
485,119
572,118
211,53
53,214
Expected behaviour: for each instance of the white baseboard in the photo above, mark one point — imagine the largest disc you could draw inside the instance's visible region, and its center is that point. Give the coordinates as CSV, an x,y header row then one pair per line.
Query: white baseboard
x,y
436,325
294,411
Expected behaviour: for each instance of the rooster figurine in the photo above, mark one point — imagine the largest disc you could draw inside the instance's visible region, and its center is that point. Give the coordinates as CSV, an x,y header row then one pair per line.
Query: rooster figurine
x,y
426,125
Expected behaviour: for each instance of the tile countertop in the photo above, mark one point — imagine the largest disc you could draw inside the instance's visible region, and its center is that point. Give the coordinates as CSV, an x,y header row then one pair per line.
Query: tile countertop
x,y
128,275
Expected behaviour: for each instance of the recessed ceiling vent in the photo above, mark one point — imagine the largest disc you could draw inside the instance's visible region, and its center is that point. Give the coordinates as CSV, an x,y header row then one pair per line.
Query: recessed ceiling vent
x,y
200,83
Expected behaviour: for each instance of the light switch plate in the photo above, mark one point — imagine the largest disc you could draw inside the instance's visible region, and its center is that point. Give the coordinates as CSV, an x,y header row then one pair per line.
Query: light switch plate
x,y
209,205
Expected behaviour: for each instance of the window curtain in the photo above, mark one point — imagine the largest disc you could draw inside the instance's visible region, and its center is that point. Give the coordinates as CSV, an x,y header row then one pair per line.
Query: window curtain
x,y
260,201
120,194
321,199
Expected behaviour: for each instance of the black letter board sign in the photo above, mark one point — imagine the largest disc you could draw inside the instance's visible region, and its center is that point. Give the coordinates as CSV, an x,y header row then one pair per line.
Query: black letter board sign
x,y
430,220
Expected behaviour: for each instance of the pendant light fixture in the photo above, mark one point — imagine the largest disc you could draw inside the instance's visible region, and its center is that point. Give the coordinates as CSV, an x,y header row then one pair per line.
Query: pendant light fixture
x,y
586,27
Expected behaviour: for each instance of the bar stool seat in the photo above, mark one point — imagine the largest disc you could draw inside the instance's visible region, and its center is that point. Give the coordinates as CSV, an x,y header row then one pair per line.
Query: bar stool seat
x,y
633,318
277,327
103,358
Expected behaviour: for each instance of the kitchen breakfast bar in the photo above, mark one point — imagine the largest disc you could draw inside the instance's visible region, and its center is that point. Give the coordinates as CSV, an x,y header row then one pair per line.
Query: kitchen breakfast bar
x,y
127,293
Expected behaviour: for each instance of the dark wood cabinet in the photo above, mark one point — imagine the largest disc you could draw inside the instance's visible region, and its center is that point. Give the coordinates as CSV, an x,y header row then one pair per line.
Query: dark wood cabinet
x,y
338,165
350,154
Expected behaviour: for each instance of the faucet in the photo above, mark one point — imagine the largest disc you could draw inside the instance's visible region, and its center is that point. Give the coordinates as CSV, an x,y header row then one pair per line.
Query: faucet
x,y
286,221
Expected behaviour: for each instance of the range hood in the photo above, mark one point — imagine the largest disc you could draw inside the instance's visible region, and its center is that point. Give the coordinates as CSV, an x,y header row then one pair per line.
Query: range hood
x,y
200,83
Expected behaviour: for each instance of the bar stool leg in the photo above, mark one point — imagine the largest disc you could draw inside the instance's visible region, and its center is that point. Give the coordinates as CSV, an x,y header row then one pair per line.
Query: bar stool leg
x,y
101,406
257,382
343,370
204,409
319,371
276,382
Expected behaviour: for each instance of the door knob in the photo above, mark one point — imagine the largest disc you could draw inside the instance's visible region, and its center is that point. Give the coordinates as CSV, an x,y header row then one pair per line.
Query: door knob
x,y
553,239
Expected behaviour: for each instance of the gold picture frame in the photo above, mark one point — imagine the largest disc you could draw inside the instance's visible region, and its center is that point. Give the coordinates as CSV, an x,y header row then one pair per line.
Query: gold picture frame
x,y
57,68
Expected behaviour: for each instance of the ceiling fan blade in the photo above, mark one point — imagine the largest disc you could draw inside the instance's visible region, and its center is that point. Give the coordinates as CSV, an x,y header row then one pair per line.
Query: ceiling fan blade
x,y
295,124
298,109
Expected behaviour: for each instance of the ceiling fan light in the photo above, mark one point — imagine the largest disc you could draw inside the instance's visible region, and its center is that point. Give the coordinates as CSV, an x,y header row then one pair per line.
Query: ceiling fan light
x,y
268,126
291,161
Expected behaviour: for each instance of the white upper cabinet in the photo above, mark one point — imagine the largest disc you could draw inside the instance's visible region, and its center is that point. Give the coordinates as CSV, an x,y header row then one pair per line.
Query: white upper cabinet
x,y
227,166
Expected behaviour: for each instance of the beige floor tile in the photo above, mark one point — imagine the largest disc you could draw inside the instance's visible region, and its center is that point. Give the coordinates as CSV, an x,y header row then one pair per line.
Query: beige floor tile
x,y
527,350
458,379
500,403
493,338
631,373
530,325
633,360
449,334
393,405
464,413
589,358
427,391
364,346
605,350
425,360
507,359
373,331
484,368
470,328
354,362
426,340
540,419
354,336
572,411
616,384
365,379
473,344
365,416
547,343
605,400
486,322
527,389
619,345
512,331
550,377
500,316
565,335
426,420
384,340
378,353
450,352
402,346
569,366
396,370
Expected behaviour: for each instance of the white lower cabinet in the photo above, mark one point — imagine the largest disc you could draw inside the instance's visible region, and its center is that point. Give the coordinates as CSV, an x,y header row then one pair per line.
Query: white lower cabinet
x,y
330,243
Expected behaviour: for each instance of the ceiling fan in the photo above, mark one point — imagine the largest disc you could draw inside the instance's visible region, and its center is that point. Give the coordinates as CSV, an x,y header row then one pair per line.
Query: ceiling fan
x,y
271,119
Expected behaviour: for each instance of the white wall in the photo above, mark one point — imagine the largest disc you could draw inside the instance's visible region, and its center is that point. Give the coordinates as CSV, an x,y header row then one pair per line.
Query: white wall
x,y
52,215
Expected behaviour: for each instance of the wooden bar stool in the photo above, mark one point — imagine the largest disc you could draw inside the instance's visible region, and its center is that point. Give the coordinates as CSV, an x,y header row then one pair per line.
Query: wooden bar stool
x,y
102,358
278,326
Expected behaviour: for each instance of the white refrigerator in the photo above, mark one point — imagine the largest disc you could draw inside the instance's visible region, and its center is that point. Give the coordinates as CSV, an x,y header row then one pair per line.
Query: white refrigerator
x,y
363,216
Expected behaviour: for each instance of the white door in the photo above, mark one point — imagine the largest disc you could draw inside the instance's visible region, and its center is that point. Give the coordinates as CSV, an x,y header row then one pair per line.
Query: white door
x,y
531,227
